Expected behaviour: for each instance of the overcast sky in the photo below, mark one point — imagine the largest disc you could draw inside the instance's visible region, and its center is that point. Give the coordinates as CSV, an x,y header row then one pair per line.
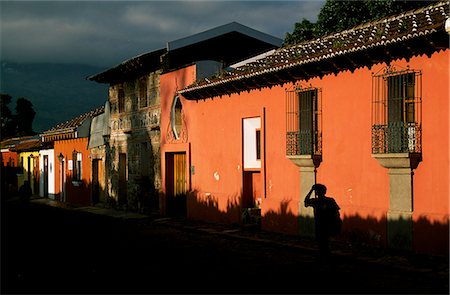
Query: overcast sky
x,y
105,33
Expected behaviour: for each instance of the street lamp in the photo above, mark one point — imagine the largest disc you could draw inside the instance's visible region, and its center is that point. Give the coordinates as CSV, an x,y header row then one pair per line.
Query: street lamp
x,y
60,157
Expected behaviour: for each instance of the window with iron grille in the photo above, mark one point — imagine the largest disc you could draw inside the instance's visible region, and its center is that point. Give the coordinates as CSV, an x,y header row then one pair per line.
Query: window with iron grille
x,y
153,90
76,158
397,111
303,121
121,100
143,92
258,143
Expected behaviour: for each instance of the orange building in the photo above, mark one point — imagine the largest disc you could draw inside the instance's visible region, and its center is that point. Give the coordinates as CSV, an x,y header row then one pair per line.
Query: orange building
x,y
9,156
20,163
364,111
72,173
71,159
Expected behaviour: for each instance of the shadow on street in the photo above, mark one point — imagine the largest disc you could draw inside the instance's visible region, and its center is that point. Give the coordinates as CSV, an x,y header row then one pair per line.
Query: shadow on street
x,y
51,250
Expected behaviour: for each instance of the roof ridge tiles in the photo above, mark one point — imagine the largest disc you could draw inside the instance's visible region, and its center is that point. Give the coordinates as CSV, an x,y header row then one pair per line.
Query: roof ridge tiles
x,y
384,31
75,122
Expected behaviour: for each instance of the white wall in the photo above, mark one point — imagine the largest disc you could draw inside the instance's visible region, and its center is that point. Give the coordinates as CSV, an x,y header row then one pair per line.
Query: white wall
x,y
51,173
249,127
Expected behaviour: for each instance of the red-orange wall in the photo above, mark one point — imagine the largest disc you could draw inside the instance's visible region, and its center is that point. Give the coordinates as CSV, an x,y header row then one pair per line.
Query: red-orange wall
x,y
76,195
6,156
356,180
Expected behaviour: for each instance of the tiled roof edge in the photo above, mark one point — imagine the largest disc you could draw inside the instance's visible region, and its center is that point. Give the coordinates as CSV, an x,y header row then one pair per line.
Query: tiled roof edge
x,y
72,124
260,68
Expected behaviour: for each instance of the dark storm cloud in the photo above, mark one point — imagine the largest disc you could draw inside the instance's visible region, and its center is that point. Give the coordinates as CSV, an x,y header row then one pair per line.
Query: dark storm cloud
x,y
108,32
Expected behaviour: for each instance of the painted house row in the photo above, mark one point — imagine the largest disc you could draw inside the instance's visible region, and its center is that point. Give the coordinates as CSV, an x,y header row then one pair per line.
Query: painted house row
x,y
68,173
226,126
20,163
58,163
364,111
111,154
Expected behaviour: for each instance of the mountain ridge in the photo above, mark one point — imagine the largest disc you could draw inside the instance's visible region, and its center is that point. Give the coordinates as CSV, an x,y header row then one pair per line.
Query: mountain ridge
x,y
58,92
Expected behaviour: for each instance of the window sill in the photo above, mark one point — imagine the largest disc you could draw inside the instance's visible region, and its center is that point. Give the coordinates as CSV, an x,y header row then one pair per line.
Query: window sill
x,y
306,160
398,160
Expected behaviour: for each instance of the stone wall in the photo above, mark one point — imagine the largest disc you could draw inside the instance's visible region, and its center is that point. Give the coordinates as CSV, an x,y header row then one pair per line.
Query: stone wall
x,y
135,134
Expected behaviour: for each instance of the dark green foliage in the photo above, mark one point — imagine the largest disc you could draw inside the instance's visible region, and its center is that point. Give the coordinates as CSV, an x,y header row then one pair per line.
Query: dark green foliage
x,y
302,31
24,117
20,123
7,123
337,15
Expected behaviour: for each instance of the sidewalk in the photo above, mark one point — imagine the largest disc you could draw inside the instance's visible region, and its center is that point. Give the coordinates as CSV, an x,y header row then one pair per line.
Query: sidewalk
x,y
426,264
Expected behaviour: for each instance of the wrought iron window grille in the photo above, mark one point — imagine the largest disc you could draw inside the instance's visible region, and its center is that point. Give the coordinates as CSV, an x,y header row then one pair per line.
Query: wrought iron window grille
x,y
396,111
303,120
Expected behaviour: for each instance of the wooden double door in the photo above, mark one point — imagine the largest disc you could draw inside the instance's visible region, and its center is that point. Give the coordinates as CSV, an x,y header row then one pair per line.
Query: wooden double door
x,y
176,183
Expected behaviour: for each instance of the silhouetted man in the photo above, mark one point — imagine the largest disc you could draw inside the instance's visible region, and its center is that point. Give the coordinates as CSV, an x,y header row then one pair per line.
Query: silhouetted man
x,y
25,193
325,219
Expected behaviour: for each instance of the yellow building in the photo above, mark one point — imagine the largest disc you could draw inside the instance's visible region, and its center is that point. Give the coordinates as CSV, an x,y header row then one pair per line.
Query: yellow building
x,y
28,158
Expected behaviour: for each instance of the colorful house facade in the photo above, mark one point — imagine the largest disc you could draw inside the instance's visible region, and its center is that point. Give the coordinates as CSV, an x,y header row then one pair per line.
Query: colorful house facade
x,y
134,171
9,168
69,162
47,173
364,111
28,157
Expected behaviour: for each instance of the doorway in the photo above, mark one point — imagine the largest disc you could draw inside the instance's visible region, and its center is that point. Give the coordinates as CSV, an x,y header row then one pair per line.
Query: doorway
x,y
252,188
45,176
176,184
62,183
122,178
98,181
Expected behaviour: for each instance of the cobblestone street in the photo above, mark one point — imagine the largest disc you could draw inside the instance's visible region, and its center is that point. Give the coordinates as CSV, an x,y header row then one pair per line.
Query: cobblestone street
x,y
48,249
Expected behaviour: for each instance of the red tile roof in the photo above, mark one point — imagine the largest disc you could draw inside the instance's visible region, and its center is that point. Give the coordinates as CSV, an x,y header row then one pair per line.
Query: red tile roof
x,y
31,144
72,124
12,142
334,52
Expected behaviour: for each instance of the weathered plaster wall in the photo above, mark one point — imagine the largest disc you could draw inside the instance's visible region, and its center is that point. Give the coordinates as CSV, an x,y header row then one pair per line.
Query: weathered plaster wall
x,y
136,133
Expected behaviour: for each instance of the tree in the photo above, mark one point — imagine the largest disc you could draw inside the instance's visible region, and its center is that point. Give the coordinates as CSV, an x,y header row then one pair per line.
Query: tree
x,y
24,117
7,120
339,15
20,123
302,31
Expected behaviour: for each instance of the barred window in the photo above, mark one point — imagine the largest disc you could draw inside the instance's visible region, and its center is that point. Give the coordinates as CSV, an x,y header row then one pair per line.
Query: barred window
x,y
303,126
258,144
77,160
396,111
121,100
153,90
143,92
